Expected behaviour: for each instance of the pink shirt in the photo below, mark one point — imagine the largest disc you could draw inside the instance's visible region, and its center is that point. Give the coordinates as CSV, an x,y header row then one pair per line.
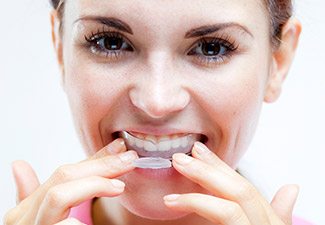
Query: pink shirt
x,y
83,214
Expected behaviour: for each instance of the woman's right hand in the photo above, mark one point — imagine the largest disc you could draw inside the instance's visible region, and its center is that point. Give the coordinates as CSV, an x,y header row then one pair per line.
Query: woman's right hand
x,y
70,185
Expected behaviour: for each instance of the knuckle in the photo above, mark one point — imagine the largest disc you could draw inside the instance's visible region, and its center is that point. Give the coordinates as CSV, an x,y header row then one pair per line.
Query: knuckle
x,y
233,212
55,197
245,192
64,173
110,164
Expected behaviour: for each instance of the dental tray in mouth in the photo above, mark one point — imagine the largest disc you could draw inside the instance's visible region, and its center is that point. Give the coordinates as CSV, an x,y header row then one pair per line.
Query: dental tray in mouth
x,y
156,157
159,149
152,163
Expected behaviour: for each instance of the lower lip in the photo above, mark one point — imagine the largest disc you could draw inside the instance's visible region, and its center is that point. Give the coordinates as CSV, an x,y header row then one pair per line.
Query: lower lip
x,y
167,173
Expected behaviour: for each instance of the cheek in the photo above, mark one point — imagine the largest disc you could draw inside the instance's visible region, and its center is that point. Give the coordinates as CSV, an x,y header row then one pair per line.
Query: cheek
x,y
93,94
233,99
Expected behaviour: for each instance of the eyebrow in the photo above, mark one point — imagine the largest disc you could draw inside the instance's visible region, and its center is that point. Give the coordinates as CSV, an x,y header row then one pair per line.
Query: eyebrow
x,y
108,21
196,32
204,30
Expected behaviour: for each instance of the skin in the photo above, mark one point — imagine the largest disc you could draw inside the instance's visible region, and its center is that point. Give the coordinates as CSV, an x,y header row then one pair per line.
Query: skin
x,y
158,87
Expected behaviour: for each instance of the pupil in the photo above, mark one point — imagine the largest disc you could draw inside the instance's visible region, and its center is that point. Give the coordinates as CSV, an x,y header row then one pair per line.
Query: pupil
x,y
211,48
113,43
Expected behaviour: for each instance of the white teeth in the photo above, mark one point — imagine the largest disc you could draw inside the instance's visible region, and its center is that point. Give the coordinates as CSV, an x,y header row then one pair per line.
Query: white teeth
x,y
164,138
184,142
164,145
130,139
149,146
176,143
152,143
139,143
151,138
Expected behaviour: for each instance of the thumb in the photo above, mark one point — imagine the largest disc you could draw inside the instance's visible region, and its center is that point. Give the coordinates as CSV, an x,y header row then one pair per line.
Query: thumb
x,y
284,201
25,178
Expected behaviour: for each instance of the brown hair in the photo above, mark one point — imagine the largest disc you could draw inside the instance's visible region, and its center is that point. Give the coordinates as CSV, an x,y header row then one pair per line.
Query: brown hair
x,y
280,12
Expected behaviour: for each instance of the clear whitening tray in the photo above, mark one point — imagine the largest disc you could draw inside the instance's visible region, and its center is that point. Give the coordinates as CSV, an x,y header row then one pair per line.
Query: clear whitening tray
x,y
157,154
152,163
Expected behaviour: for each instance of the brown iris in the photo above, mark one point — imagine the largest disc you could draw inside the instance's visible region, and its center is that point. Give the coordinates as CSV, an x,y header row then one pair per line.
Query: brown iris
x,y
210,48
113,43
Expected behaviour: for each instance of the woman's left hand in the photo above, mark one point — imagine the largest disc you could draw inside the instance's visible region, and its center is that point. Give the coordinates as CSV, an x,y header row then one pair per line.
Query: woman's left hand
x,y
233,200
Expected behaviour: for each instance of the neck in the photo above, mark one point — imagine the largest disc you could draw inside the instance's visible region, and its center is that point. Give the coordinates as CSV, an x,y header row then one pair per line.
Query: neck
x,y
109,211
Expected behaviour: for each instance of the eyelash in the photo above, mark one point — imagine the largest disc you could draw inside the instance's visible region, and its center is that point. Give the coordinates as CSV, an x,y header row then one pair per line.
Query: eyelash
x,y
229,48
94,38
223,42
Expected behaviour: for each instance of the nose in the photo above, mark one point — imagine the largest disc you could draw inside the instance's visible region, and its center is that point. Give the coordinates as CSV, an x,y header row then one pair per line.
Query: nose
x,y
159,91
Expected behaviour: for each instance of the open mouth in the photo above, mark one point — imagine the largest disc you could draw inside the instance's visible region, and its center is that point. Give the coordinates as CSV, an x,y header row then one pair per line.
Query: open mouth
x,y
160,146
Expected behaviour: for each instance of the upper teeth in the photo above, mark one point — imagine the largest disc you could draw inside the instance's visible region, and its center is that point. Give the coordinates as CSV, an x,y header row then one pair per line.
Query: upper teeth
x,y
152,143
156,139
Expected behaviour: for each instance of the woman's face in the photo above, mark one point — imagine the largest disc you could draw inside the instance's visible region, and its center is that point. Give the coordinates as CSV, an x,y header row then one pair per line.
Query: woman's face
x,y
165,68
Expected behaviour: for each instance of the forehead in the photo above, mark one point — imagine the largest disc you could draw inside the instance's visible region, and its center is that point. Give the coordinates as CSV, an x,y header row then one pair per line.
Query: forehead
x,y
172,14
166,19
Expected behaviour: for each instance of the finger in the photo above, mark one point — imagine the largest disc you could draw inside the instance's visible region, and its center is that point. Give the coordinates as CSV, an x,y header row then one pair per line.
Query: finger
x,y
61,198
284,201
25,178
202,152
115,147
70,221
108,167
112,160
231,187
217,210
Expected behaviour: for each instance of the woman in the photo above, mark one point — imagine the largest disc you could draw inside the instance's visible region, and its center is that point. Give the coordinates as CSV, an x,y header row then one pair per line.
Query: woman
x,y
148,79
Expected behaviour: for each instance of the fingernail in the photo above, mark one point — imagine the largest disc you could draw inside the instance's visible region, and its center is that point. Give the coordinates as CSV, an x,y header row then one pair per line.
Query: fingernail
x,y
128,156
170,198
182,159
116,146
121,141
200,148
117,183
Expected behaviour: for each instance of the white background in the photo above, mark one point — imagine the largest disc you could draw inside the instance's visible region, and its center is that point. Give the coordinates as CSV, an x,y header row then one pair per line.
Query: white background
x,y
35,122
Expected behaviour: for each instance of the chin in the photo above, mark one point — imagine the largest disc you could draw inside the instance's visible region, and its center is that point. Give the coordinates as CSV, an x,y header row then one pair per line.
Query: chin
x,y
145,189
153,210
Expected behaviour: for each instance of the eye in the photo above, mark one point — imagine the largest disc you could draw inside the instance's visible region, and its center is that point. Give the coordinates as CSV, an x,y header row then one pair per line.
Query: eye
x,y
108,43
113,43
213,50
